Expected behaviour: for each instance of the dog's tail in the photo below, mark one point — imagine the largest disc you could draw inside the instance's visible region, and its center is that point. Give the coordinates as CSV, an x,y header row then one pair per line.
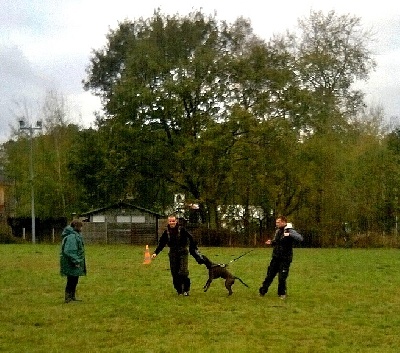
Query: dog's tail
x,y
242,282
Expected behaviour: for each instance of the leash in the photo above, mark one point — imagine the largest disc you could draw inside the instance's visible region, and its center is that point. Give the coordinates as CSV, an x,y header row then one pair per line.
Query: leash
x,y
241,256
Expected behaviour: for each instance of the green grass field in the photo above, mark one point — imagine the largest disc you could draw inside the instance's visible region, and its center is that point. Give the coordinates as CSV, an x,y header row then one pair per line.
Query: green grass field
x,y
339,300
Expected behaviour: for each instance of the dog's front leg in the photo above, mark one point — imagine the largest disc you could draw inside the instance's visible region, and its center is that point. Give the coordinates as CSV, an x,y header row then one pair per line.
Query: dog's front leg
x,y
207,285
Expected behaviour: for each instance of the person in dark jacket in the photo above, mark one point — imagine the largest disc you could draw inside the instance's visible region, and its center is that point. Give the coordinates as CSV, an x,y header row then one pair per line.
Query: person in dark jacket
x,y
282,256
180,243
72,258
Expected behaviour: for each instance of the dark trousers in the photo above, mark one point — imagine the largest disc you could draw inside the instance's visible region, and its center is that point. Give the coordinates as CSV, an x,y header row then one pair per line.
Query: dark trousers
x,y
280,267
178,262
72,282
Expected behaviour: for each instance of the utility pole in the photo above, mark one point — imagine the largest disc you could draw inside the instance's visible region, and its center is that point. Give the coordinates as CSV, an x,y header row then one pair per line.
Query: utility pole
x,y
31,129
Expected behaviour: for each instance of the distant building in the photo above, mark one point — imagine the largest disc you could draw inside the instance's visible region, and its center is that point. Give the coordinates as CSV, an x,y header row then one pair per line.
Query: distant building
x,y
121,223
4,199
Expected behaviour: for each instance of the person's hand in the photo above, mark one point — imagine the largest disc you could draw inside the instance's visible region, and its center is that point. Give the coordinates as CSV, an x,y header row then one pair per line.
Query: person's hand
x,y
153,256
268,242
77,265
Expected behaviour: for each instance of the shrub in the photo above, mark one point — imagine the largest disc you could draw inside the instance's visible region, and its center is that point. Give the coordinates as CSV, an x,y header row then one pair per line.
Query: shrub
x,y
6,236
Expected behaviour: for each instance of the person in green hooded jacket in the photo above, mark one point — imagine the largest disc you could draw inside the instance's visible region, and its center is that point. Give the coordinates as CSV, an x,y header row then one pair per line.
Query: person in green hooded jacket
x,y
72,258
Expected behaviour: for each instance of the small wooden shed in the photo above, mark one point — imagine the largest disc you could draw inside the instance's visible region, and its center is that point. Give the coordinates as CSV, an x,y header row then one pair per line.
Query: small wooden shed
x,y
121,223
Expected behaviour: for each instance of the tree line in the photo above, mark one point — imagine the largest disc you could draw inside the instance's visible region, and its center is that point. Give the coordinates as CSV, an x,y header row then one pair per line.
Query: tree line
x,y
201,107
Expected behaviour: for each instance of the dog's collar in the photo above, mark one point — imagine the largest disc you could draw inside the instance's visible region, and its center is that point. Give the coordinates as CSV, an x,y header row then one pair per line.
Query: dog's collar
x,y
219,265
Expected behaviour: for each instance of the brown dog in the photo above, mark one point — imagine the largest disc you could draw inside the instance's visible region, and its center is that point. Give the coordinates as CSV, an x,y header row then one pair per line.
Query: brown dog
x,y
219,271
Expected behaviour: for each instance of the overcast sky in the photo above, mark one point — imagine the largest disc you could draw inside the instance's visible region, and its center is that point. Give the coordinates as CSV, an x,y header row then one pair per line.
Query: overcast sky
x,y
45,45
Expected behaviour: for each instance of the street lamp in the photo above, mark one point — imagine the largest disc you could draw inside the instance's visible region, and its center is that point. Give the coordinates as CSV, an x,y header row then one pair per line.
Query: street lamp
x,y
31,129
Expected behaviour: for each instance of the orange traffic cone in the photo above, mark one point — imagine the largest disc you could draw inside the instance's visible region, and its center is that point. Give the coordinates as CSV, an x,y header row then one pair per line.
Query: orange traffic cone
x,y
147,257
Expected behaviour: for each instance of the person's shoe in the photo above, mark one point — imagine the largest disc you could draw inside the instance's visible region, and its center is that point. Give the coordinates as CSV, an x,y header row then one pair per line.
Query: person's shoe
x,y
73,297
283,296
262,291
185,294
68,297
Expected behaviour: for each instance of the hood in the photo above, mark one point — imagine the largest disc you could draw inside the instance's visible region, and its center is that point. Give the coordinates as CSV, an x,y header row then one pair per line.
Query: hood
x,y
67,231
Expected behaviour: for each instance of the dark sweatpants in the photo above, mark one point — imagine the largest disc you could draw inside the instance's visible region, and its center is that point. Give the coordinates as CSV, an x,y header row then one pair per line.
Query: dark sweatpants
x,y
72,282
178,262
280,267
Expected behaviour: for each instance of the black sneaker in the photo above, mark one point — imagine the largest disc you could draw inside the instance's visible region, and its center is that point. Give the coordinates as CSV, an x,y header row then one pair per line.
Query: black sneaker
x,y
262,291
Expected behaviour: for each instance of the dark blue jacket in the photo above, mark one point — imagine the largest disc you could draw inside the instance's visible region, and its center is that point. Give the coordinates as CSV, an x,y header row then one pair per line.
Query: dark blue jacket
x,y
283,245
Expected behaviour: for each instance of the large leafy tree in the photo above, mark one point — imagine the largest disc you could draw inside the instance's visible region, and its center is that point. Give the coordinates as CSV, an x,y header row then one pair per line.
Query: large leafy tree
x,y
203,107
56,191
332,54
196,105
171,87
